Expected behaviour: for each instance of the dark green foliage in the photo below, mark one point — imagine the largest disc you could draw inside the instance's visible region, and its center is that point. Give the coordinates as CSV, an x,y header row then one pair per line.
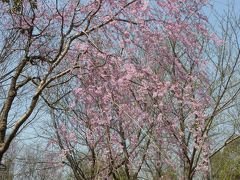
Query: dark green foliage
x,y
16,5
226,163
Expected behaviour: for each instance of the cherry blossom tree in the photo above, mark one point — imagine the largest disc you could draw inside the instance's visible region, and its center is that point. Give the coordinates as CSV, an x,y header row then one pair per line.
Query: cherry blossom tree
x,y
142,100
126,81
41,43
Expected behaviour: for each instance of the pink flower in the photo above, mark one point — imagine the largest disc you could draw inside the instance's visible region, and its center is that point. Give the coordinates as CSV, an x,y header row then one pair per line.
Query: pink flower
x,y
145,5
78,90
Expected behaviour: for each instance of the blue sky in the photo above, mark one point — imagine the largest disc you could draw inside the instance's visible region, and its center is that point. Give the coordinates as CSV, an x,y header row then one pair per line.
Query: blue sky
x,y
219,7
